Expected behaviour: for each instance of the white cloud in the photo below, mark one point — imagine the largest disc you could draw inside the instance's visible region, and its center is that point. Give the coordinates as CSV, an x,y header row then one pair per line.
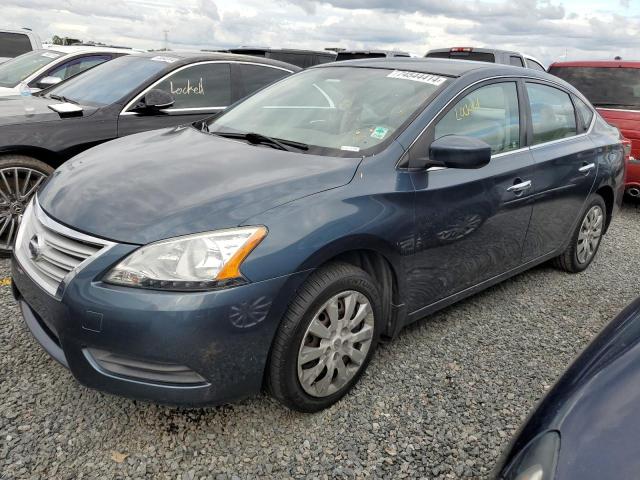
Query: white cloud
x,y
549,29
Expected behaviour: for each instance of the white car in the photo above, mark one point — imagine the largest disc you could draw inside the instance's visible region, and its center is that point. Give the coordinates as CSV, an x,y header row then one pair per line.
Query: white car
x,y
43,68
17,42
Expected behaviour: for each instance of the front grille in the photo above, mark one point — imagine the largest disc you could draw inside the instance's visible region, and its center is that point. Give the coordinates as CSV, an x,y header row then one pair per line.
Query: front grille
x,y
144,370
49,251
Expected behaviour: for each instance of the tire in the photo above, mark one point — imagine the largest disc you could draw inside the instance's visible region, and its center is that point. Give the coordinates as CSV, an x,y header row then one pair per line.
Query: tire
x,y
573,259
30,174
295,337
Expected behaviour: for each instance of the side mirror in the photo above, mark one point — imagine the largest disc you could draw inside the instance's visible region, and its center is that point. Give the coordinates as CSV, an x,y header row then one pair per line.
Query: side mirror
x,y
455,151
155,99
47,82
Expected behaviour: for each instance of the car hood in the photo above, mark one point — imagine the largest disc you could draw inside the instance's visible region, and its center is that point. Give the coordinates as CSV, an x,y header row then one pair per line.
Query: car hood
x,y
166,183
6,91
12,110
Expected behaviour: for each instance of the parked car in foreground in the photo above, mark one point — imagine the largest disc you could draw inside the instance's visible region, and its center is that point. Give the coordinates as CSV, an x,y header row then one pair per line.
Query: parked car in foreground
x,y
127,95
613,87
490,55
44,68
276,243
362,54
17,42
587,426
300,58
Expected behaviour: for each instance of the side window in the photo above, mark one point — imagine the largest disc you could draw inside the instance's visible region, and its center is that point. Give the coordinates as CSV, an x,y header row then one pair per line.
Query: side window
x,y
535,65
552,113
489,113
77,65
585,113
254,77
516,61
200,86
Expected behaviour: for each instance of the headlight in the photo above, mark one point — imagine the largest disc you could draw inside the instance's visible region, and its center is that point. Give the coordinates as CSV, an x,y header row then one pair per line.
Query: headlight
x,y
537,460
195,262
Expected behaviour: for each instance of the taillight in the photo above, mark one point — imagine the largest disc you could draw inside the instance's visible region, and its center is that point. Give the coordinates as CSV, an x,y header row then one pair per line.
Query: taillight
x,y
461,49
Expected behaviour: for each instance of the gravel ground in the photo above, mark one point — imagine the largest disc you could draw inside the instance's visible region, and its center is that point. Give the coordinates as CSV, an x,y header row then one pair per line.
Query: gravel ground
x,y
441,401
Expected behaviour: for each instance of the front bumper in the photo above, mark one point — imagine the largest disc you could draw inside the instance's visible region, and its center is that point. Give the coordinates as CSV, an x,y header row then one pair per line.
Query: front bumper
x,y
215,344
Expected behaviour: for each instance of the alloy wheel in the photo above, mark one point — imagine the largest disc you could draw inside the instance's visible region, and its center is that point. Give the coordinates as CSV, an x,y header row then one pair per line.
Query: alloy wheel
x,y
17,186
335,344
590,233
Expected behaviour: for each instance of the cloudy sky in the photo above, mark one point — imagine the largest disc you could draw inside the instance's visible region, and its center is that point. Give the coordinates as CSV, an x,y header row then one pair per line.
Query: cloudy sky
x,y
548,29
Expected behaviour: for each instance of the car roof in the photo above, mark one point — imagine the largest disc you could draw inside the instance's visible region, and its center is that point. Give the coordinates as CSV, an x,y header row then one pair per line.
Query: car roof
x,y
477,49
187,57
598,64
365,50
70,49
277,49
436,66
26,31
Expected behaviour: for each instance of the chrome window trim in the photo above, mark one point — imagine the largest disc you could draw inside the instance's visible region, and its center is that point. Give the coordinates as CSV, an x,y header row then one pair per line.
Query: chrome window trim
x,y
125,111
507,78
56,227
617,109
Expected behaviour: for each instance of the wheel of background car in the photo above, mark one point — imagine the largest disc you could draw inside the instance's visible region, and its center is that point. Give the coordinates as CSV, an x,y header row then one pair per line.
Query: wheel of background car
x,y
586,238
326,338
20,177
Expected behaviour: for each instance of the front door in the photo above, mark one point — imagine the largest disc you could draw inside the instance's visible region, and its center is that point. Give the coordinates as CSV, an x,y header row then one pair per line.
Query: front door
x,y
200,91
566,160
471,224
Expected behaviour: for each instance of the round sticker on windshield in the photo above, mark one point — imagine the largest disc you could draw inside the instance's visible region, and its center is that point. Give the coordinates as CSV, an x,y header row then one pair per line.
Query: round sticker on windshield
x,y
379,133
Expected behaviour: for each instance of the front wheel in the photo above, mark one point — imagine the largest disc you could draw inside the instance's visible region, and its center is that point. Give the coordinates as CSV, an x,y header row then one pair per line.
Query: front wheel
x,y
326,338
586,238
20,177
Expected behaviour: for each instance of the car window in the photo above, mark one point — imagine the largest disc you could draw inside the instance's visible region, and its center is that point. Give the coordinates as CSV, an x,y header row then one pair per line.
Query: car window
x,y
552,113
111,81
604,87
14,44
585,112
516,61
200,86
254,77
489,113
20,68
338,111
535,65
77,65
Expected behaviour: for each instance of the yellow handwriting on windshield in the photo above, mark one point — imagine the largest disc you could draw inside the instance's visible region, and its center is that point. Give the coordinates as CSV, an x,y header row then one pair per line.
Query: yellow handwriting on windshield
x,y
467,109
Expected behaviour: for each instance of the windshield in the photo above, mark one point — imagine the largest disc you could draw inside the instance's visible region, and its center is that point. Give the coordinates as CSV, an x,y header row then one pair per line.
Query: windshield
x,y
604,87
20,68
340,111
110,81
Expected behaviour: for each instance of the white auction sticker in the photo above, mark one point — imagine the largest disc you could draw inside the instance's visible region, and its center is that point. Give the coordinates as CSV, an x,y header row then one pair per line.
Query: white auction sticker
x,y
349,148
50,55
160,58
418,77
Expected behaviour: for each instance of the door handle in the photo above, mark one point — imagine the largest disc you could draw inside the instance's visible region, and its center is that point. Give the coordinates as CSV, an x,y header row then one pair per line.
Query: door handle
x,y
520,187
587,168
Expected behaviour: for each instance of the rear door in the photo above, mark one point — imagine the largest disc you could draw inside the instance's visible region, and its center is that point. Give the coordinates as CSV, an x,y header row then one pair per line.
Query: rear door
x,y
200,90
471,224
566,161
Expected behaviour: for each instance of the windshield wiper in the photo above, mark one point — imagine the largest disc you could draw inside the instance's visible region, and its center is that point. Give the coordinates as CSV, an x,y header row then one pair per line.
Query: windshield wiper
x,y
258,138
61,98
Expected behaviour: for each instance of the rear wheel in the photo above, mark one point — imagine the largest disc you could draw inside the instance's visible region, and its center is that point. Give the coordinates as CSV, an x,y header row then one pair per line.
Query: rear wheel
x,y
326,338
586,238
20,177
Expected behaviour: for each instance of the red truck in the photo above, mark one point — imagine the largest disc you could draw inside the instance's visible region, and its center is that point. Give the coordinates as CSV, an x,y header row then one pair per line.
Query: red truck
x,y
613,87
